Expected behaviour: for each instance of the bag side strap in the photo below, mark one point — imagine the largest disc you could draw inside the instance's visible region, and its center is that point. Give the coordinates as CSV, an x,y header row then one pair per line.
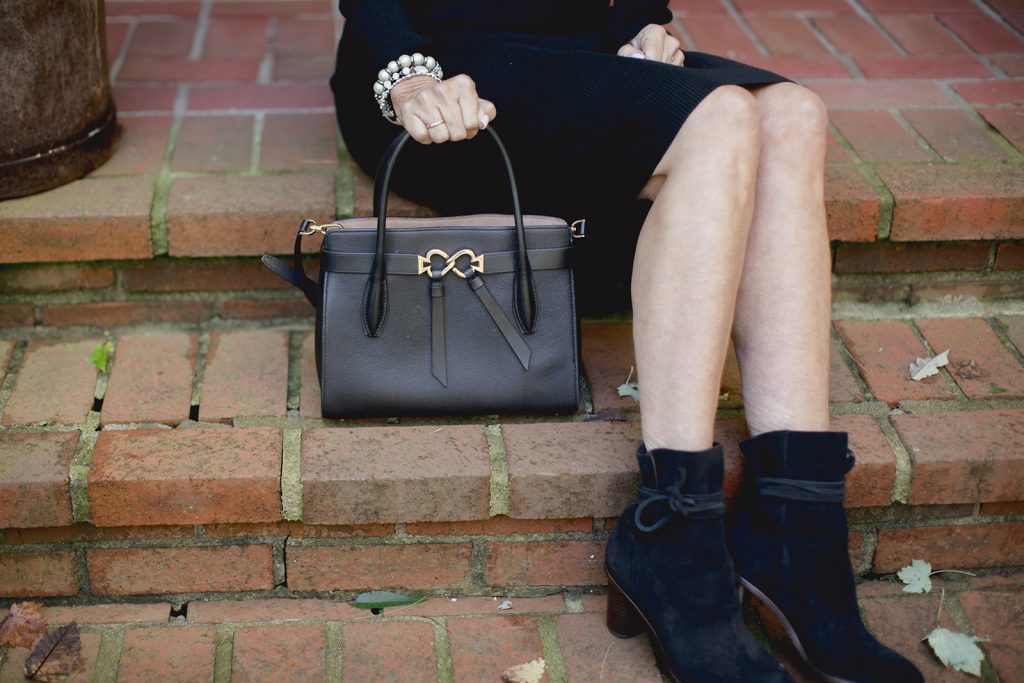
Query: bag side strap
x,y
294,274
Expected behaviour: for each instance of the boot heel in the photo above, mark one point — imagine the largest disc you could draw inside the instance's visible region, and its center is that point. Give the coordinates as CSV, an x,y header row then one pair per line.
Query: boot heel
x,y
622,618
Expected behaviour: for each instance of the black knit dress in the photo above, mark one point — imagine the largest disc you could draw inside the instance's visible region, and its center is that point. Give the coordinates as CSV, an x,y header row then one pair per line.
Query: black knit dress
x,y
584,127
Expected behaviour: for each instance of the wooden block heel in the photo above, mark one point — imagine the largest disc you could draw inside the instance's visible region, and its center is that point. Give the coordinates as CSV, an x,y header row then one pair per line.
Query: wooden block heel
x,y
623,620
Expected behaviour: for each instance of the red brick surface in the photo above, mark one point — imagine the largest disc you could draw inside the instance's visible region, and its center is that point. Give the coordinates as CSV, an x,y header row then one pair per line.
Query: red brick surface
x,y
870,482
405,474
481,654
978,361
998,616
955,202
292,141
16,315
213,143
964,457
309,392
501,525
436,565
908,258
148,653
34,479
111,613
246,375
539,563
200,276
138,571
591,653
369,649
113,313
968,545
38,574
279,652
1010,256
852,205
55,383
215,611
843,386
193,476
955,135
6,347
91,219
884,350
243,215
878,136
151,380
141,147
577,469
11,667
55,278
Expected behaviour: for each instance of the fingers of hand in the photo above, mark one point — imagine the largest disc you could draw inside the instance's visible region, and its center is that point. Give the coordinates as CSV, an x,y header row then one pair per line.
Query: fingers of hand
x,y
652,41
670,49
630,50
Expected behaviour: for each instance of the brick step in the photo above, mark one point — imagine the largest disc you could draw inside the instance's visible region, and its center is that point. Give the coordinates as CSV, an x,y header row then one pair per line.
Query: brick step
x,y
203,466
465,638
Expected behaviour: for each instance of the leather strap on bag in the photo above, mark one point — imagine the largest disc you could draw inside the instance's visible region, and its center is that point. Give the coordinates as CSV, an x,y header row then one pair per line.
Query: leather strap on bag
x,y
375,297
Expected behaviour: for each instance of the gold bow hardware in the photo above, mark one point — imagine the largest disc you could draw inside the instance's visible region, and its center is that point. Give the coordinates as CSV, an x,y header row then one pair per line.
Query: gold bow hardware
x,y
476,263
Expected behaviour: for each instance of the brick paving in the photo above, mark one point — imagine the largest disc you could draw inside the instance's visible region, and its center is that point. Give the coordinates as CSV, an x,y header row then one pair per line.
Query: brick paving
x,y
458,638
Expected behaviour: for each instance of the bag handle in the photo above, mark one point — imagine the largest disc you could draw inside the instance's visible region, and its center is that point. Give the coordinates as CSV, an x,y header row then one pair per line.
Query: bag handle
x,y
376,295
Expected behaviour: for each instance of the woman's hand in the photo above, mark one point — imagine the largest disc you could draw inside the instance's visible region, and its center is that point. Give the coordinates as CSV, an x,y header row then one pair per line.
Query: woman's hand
x,y
437,112
654,42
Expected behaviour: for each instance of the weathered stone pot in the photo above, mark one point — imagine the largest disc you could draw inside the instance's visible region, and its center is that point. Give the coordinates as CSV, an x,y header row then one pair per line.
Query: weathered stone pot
x,y
57,119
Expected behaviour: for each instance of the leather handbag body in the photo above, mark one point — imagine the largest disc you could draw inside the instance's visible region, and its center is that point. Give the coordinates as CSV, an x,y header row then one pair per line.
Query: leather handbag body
x,y
460,315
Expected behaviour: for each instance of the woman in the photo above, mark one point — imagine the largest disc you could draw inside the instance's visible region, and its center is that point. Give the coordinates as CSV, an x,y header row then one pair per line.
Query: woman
x,y
722,165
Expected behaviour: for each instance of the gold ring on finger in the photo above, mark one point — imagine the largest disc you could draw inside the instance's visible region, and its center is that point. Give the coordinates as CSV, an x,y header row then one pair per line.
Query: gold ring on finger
x,y
436,123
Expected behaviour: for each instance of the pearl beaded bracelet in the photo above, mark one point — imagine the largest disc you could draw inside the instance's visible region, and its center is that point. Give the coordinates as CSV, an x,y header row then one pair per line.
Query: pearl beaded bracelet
x,y
395,71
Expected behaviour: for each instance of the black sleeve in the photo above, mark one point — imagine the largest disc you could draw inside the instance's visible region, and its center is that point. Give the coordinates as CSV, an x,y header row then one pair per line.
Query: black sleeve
x,y
629,16
382,28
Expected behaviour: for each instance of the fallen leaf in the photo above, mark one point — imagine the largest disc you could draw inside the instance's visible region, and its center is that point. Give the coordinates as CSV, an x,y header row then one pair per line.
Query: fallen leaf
x,y
22,625
957,650
505,604
916,576
381,599
926,367
531,672
629,389
100,355
56,655
968,369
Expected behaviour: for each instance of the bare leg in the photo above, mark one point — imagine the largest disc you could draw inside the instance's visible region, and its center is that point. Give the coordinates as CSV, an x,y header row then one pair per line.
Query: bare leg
x,y
781,328
687,268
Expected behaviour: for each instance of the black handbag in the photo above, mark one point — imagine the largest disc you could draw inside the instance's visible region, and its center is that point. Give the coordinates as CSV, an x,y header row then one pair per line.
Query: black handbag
x,y
461,315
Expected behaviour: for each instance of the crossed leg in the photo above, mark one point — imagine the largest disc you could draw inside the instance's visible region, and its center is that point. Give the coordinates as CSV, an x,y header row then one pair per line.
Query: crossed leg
x,y
735,244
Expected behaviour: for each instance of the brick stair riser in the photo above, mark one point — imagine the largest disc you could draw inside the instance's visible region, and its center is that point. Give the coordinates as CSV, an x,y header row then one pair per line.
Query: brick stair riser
x,y
521,557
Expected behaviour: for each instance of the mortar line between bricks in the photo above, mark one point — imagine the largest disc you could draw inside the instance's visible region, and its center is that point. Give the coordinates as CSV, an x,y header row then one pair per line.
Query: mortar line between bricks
x,y
344,182
333,643
162,186
195,52
551,648
223,652
266,68
951,605
877,25
202,351
1000,332
13,368
108,658
920,139
944,370
499,484
291,475
840,56
851,363
259,119
443,650
867,551
973,114
117,63
293,401
904,472
78,470
734,14
886,202
990,265
998,18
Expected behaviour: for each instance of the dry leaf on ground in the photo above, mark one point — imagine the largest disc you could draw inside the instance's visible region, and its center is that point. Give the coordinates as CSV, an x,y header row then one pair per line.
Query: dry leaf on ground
x,y
957,650
926,367
531,672
56,655
23,625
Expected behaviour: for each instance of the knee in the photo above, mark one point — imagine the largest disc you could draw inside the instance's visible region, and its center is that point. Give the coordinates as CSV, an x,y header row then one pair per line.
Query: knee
x,y
735,110
792,115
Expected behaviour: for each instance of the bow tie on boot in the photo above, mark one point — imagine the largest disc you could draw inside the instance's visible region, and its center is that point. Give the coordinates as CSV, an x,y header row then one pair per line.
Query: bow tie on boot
x,y
789,544
669,573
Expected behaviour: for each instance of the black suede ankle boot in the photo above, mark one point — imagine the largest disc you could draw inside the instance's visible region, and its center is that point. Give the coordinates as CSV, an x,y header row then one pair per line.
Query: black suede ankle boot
x,y
789,543
669,573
